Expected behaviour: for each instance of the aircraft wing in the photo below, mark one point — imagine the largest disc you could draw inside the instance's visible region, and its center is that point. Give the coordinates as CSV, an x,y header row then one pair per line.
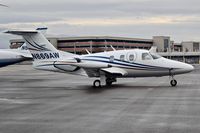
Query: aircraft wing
x,y
18,52
26,55
22,53
114,71
92,72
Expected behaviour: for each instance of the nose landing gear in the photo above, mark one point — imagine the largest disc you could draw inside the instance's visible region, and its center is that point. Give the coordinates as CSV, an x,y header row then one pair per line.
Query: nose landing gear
x,y
173,82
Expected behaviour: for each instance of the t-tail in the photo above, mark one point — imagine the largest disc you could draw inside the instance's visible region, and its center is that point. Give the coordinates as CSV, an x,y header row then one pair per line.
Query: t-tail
x,y
43,52
42,30
39,46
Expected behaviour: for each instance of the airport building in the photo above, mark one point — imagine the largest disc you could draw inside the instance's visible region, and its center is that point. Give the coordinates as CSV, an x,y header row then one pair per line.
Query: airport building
x,y
93,44
188,52
185,51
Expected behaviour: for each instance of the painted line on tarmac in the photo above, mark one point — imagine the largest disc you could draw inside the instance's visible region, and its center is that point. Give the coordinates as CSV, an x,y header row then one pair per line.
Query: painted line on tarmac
x,y
12,101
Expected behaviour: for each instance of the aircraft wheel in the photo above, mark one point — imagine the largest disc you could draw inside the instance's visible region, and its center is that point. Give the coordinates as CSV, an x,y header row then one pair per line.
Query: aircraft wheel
x,y
97,83
173,82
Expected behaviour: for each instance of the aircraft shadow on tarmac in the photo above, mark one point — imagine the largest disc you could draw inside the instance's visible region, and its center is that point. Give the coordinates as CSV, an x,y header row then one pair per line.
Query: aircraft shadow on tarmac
x,y
90,89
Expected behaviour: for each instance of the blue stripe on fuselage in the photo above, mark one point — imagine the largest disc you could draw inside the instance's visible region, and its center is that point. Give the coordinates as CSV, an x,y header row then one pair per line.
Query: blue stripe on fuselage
x,y
125,63
124,67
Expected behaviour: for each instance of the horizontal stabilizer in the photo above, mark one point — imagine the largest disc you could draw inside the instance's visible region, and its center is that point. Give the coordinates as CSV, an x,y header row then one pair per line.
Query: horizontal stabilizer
x,y
21,32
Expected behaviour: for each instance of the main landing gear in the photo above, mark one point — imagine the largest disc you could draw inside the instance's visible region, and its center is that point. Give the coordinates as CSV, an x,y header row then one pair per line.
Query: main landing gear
x,y
97,84
109,81
104,81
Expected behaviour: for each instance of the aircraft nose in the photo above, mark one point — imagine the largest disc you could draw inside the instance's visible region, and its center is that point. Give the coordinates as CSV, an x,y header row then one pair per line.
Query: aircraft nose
x,y
188,68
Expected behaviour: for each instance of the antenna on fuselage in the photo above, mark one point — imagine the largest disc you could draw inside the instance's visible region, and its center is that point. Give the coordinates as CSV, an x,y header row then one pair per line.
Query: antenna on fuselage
x,y
87,51
112,48
153,49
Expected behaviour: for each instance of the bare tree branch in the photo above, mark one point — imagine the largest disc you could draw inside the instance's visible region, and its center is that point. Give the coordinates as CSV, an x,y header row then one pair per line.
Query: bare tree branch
x,y
4,5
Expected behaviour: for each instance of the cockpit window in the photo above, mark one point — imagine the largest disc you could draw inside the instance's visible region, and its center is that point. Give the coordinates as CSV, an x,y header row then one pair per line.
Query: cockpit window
x,y
146,56
155,56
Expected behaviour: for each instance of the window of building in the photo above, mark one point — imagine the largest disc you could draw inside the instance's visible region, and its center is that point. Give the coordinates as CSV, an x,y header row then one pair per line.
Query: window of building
x,y
195,47
146,56
122,57
166,45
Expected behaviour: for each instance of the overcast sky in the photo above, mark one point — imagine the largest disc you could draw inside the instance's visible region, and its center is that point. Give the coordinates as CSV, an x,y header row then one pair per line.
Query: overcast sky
x,y
179,19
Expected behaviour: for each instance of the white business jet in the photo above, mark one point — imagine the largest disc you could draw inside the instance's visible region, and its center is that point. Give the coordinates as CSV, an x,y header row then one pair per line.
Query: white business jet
x,y
106,66
13,56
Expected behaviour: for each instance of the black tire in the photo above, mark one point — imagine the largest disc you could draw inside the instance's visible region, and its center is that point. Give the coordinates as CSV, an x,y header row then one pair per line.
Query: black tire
x,y
173,82
97,83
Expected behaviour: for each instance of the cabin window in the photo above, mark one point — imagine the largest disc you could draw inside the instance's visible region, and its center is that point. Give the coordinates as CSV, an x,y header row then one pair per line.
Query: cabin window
x,y
112,58
146,56
122,57
131,57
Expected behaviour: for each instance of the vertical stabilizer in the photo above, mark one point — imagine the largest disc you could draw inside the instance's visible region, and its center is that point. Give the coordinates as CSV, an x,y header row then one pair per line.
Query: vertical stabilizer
x,y
40,48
